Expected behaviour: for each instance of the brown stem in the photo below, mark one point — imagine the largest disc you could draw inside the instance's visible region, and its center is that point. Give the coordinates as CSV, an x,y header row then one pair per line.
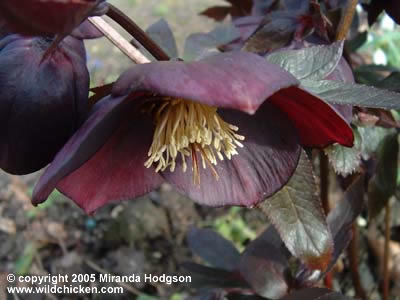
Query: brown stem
x,y
324,181
135,31
354,252
386,275
346,20
324,193
122,44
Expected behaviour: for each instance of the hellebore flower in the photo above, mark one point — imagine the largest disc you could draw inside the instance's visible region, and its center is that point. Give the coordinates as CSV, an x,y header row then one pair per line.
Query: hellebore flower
x,y
42,101
47,17
225,130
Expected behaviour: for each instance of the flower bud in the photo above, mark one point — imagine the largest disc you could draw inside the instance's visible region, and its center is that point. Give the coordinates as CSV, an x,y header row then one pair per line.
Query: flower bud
x,y
42,101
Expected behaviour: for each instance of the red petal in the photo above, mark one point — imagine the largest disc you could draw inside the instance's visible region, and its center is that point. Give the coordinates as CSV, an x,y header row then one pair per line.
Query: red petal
x,y
317,122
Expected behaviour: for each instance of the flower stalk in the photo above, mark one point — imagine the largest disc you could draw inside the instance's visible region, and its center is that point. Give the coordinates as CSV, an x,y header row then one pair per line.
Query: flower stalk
x,y
135,31
346,20
386,273
112,35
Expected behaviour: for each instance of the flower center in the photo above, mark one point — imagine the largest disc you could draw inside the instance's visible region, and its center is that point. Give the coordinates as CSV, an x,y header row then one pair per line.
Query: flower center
x,y
190,130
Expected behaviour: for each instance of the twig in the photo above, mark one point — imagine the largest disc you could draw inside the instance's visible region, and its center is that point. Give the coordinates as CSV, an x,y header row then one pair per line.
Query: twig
x,y
386,275
99,269
135,31
121,43
346,20
353,252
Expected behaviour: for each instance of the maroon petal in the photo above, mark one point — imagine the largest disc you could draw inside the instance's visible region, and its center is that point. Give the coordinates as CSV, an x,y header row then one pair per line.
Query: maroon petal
x,y
103,121
317,122
265,163
45,17
238,80
116,172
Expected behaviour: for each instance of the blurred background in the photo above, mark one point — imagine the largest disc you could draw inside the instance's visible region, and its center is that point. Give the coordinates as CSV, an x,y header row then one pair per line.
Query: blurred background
x,y
146,235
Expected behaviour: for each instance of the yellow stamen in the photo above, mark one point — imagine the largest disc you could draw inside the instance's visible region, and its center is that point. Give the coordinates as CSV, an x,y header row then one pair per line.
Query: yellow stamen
x,y
190,128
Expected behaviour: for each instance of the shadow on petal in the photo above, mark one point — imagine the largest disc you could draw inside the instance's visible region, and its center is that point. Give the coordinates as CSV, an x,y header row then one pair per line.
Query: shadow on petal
x,y
265,163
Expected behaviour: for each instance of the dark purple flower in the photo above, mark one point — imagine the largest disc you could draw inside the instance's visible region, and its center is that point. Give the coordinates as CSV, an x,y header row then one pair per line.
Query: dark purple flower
x,y
47,17
226,130
42,102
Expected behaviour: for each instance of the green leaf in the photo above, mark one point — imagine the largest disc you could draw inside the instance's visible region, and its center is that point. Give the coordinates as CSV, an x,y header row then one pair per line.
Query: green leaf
x,y
297,214
354,44
383,185
353,94
24,262
312,63
345,160
392,82
162,34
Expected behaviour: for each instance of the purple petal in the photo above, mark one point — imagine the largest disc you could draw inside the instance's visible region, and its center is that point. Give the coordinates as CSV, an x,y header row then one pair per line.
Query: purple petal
x,y
102,122
86,31
265,163
116,172
238,80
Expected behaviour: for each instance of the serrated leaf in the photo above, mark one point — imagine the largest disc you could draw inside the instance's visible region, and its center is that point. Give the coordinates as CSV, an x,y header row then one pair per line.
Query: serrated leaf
x,y
264,265
383,185
297,214
162,34
213,248
353,94
370,139
344,160
312,63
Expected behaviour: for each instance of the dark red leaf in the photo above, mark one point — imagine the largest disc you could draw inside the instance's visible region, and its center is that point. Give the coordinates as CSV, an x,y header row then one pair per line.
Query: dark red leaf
x,y
213,248
218,13
264,265
384,182
297,214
